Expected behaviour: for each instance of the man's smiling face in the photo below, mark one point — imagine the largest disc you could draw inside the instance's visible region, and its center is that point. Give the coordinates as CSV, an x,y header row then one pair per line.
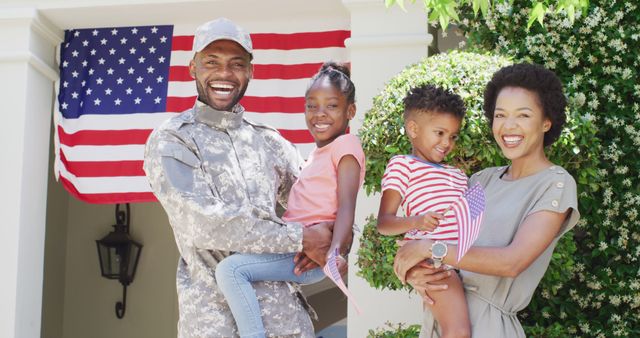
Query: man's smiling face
x,y
222,71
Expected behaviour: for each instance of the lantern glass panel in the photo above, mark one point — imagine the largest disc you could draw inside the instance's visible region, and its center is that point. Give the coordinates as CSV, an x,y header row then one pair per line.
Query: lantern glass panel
x,y
110,260
134,255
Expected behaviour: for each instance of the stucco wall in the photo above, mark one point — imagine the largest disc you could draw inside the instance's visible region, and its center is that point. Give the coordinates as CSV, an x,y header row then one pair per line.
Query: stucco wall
x,y
90,299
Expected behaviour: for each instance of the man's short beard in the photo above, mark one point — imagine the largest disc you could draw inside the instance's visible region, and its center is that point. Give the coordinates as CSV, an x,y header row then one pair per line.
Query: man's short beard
x,y
204,98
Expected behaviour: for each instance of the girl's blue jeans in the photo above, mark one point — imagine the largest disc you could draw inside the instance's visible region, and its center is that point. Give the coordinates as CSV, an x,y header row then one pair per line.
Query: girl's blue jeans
x,y
234,275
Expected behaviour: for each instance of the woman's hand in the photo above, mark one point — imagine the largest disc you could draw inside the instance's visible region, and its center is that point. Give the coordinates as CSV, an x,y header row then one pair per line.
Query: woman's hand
x,y
410,253
422,278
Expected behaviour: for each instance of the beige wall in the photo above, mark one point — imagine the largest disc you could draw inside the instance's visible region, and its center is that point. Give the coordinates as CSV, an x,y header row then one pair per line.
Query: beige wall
x,y
54,256
90,299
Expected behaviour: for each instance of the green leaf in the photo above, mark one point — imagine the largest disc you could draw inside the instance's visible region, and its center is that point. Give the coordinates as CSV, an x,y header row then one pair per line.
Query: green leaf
x,y
476,7
484,7
584,5
451,11
537,14
444,21
571,11
434,16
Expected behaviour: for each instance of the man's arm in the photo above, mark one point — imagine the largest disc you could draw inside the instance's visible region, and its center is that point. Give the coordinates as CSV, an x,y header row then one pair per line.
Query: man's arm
x,y
289,163
201,217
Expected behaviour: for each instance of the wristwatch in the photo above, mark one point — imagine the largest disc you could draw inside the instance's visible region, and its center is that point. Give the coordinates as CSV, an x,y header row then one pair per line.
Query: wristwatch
x,y
438,253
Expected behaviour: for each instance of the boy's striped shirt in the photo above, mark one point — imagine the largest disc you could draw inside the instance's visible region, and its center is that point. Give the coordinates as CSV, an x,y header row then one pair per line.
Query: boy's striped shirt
x,y
426,187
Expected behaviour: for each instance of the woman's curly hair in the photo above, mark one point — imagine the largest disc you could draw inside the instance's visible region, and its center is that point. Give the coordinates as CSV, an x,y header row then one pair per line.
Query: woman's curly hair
x,y
537,79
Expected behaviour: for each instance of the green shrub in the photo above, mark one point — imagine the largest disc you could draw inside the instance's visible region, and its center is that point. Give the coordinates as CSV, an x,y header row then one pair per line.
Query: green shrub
x,y
395,331
598,59
375,258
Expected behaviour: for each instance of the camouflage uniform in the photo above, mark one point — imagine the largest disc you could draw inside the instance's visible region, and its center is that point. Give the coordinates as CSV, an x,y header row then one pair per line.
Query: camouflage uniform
x,y
218,177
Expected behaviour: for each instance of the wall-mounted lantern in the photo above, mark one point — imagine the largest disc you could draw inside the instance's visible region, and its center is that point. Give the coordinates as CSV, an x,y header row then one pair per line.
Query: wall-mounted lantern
x,y
119,255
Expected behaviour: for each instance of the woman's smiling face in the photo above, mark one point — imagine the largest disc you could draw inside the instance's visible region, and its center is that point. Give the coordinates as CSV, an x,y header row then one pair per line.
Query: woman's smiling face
x,y
519,123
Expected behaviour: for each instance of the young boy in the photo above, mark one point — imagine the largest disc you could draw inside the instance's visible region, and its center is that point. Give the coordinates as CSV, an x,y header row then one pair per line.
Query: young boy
x,y
425,187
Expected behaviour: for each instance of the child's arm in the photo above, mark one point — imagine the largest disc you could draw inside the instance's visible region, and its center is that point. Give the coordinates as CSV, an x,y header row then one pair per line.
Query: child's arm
x,y
389,224
348,185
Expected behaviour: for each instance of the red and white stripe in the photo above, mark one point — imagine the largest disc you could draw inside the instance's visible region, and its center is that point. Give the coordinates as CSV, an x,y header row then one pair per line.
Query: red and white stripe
x,y
425,188
96,169
469,222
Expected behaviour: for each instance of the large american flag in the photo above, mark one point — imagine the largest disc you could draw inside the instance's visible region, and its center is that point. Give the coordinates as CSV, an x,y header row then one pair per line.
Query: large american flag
x,y
469,209
117,84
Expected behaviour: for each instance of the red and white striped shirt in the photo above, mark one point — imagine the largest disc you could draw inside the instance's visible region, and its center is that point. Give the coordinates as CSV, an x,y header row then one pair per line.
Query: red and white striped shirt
x,y
426,187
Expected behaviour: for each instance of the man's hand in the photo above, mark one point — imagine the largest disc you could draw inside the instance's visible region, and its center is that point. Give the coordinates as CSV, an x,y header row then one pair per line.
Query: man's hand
x,y
303,263
316,241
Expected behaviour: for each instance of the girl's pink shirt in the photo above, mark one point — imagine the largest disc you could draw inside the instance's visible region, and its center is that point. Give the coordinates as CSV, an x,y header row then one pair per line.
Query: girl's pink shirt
x,y
314,196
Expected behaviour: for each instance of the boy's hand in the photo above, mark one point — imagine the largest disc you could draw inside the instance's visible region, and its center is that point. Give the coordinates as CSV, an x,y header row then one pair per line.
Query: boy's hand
x,y
429,221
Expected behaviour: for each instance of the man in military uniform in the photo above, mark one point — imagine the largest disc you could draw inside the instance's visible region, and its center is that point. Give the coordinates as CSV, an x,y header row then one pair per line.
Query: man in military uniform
x,y
219,177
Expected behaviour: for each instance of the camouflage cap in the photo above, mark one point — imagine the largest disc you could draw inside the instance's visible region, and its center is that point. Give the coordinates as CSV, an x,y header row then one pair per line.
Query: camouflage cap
x,y
221,29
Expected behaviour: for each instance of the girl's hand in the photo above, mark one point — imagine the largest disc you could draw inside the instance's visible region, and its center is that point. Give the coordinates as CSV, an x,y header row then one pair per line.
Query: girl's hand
x,y
343,265
409,254
429,221
422,276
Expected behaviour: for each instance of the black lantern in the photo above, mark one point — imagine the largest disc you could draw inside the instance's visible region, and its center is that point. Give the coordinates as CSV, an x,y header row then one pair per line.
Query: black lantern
x,y
119,255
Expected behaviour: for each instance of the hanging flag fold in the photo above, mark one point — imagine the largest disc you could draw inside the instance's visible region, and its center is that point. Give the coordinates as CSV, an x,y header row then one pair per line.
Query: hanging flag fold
x,y
331,270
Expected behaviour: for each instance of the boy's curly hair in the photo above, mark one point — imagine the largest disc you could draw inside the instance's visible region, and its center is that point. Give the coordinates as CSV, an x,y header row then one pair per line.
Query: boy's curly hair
x,y
428,98
537,79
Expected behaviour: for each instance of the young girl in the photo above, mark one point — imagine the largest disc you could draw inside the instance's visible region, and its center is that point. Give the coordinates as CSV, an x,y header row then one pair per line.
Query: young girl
x,y
326,191
425,187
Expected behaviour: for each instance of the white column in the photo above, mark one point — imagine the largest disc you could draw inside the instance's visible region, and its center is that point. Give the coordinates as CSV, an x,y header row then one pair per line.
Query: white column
x,y
383,42
27,59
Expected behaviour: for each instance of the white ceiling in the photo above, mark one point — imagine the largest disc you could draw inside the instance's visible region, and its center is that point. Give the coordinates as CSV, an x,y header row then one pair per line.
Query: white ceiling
x,y
102,13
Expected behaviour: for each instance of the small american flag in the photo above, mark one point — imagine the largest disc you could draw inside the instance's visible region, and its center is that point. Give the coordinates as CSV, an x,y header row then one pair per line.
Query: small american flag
x,y
469,209
331,270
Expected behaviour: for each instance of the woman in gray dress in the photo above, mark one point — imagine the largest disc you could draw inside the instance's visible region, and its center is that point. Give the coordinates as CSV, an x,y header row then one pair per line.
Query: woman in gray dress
x,y
530,204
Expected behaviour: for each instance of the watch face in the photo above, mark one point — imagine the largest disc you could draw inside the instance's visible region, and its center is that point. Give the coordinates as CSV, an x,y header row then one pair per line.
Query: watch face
x,y
439,250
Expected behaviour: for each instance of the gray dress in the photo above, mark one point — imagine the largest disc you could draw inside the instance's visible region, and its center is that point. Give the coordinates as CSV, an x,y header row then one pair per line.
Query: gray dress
x,y
494,301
